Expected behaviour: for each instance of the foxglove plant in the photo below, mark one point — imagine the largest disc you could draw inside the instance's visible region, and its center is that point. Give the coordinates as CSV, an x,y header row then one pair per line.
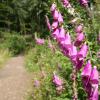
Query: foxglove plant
x,y
79,28
66,3
76,51
79,39
40,41
58,83
90,78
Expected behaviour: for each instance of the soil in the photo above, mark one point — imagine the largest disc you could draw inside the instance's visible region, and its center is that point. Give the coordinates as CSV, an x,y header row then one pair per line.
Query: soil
x,y
15,81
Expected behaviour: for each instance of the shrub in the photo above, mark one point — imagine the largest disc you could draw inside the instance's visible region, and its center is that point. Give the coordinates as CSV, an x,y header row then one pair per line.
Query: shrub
x,y
15,42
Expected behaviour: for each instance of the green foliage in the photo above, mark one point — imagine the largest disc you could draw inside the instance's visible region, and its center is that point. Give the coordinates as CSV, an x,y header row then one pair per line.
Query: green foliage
x,y
4,55
15,42
25,16
42,61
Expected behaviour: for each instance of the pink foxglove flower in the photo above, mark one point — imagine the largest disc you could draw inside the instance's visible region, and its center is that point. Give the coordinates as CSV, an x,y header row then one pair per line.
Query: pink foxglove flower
x,y
86,73
95,93
79,39
84,2
66,45
88,89
73,51
73,54
83,51
61,35
40,41
81,55
55,33
57,81
60,18
79,63
54,25
94,76
53,7
55,15
67,41
79,28
66,3
48,23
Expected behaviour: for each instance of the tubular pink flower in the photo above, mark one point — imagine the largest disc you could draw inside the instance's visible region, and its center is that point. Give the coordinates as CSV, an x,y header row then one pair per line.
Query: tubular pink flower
x,y
83,51
40,41
73,51
54,25
55,33
61,35
66,3
55,15
67,41
53,7
73,54
84,2
79,63
88,89
86,73
95,94
60,18
79,39
66,45
94,76
57,81
48,23
79,28
81,55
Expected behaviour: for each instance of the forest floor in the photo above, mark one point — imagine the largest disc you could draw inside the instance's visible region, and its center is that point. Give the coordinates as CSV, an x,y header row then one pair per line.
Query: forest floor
x,y
15,81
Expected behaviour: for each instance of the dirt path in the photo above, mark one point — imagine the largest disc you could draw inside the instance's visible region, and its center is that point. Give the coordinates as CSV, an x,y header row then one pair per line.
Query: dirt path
x,y
14,80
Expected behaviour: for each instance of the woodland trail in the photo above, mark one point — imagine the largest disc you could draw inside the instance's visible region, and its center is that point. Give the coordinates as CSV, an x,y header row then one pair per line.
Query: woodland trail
x,y
15,81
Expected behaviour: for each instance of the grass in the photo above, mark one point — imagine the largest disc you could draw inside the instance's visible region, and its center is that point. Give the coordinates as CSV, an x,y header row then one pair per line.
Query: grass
x,y
4,55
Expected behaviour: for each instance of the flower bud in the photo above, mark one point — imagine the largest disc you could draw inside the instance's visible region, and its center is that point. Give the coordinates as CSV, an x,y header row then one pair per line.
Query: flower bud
x,y
40,41
53,7
57,81
79,28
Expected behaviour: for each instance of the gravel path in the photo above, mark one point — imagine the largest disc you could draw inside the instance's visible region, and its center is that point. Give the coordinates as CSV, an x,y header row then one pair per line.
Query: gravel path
x,y
14,80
